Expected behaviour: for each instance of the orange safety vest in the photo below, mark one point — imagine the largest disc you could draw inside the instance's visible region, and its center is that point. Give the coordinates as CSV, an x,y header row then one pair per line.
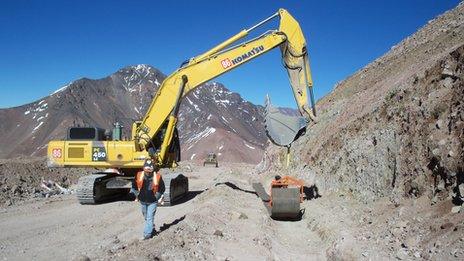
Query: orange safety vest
x,y
139,181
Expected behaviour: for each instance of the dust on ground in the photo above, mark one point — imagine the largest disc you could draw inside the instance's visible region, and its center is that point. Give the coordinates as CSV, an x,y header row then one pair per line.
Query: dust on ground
x,y
223,219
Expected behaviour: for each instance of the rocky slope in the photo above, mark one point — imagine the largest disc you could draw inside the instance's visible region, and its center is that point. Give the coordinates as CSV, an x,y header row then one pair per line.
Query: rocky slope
x,y
21,178
396,126
211,117
387,154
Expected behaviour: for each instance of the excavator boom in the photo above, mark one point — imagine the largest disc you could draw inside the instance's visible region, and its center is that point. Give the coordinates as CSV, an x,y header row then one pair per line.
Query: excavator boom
x,y
226,57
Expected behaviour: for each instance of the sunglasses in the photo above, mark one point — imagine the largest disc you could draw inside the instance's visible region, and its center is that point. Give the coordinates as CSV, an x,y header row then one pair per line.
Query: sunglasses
x,y
148,168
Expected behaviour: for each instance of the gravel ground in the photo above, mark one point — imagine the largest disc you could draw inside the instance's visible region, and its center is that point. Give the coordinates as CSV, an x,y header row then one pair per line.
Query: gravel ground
x,y
223,219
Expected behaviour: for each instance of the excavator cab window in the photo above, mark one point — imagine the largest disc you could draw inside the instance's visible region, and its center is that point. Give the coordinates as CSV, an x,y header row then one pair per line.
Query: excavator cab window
x,y
86,133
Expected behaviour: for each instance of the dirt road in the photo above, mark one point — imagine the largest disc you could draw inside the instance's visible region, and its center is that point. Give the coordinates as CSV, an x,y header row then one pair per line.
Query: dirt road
x,y
223,219
60,228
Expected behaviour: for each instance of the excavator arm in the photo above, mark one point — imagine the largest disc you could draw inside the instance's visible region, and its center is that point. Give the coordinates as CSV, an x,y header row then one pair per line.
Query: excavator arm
x,y
221,59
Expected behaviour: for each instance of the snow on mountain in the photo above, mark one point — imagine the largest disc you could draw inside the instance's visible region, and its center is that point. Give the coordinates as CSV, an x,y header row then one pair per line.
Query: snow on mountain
x,y
211,118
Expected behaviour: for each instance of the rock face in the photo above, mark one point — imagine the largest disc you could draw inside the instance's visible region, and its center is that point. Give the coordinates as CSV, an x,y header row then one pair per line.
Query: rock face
x,y
395,127
20,178
212,119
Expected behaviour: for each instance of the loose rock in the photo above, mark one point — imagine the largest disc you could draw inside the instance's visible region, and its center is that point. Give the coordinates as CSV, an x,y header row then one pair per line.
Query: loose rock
x,y
456,209
218,233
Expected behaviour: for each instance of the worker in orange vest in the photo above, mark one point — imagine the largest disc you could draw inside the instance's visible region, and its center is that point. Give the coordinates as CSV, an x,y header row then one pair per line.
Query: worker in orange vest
x,y
148,189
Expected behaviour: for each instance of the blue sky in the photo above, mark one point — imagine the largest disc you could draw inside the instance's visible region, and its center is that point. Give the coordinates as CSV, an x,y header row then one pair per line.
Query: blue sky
x,y
47,44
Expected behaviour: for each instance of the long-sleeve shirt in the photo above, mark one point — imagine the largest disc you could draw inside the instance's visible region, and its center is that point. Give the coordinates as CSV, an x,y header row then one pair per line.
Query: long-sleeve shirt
x,y
146,194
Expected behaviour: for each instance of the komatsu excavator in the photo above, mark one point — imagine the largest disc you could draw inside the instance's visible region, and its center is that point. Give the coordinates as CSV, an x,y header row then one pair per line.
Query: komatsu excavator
x,y
156,134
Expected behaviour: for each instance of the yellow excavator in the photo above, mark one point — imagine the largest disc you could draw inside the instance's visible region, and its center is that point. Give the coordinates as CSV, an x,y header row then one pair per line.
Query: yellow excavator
x,y
156,134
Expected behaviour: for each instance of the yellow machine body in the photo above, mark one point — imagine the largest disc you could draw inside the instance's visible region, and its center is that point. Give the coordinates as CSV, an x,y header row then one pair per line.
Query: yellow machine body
x,y
161,116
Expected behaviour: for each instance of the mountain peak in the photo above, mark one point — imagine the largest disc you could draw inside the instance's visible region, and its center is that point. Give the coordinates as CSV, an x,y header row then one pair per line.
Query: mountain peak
x,y
140,69
211,118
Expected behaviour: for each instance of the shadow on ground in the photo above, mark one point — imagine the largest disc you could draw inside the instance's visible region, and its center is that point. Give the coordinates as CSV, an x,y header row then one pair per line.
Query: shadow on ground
x,y
190,195
233,186
311,192
299,217
167,226
130,197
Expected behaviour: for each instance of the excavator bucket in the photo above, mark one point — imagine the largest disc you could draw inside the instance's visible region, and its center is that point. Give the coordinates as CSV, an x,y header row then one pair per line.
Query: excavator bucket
x,y
282,129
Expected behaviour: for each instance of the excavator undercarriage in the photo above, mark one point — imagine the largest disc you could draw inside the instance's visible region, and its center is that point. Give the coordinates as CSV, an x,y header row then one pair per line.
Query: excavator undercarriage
x,y
104,186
